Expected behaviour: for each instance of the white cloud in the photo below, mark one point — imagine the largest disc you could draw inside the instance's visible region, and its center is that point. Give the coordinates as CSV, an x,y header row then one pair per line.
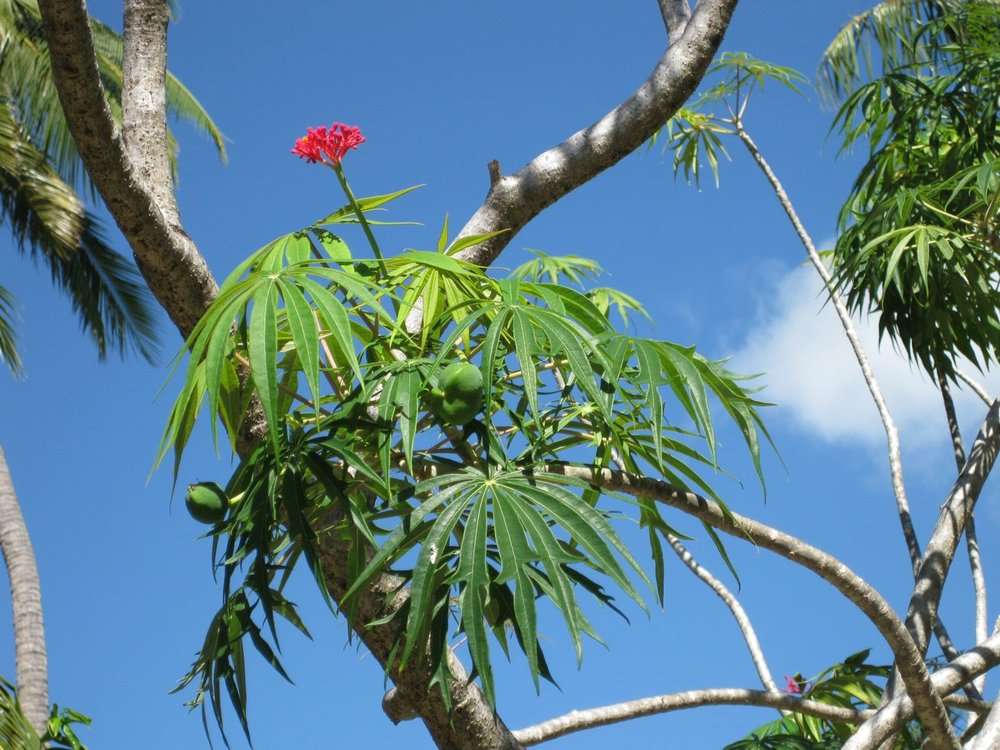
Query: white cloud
x,y
812,375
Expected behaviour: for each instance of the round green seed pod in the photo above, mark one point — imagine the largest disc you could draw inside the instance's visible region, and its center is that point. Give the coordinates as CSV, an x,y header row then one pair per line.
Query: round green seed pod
x,y
462,380
460,395
458,412
206,502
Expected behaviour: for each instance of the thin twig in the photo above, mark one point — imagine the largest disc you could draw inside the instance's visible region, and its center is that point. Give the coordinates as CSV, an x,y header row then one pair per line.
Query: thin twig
x,y
740,615
889,425
976,387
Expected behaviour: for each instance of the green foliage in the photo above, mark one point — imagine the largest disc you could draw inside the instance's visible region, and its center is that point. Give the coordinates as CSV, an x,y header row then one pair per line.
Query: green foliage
x,y
892,34
476,520
16,732
39,167
29,86
50,224
918,243
695,132
853,683
8,339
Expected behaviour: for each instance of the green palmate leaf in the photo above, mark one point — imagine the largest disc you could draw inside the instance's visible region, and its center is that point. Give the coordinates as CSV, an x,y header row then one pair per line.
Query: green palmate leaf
x,y
915,245
556,268
452,499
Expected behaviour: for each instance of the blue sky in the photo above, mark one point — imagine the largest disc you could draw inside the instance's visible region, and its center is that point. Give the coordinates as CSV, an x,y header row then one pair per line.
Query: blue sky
x,y
440,89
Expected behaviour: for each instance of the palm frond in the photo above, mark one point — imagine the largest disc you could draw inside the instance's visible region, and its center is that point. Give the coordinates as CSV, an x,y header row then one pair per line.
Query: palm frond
x,y
887,35
8,339
50,223
26,76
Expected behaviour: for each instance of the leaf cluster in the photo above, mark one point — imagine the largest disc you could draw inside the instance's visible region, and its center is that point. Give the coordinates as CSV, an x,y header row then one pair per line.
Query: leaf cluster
x,y
919,233
16,731
853,683
473,520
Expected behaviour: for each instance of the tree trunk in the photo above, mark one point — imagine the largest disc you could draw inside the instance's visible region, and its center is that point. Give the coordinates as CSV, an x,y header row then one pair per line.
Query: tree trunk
x,y
26,594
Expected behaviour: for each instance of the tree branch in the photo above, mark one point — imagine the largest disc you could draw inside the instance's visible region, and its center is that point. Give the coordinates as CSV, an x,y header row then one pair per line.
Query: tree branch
x,y
888,424
742,620
171,264
889,719
676,14
952,521
577,721
927,704
516,199
976,387
988,737
591,718
144,101
971,538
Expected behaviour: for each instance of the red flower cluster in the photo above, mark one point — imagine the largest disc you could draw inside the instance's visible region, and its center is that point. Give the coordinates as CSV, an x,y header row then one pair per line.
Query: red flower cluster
x,y
328,145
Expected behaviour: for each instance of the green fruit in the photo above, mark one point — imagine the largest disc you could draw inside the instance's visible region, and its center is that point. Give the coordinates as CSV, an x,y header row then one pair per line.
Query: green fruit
x,y
460,394
462,380
206,502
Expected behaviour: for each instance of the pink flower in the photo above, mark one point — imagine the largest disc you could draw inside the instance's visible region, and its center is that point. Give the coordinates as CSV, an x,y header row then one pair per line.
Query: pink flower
x,y
310,146
328,145
792,685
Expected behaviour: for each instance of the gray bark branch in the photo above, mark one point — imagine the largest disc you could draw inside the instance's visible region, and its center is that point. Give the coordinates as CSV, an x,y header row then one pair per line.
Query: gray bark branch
x,y
988,736
952,521
171,264
971,538
889,719
516,199
928,706
31,660
739,614
578,721
888,424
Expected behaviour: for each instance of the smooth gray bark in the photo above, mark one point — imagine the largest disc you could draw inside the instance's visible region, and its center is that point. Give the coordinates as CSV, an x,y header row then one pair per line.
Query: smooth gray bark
x,y
26,597
577,721
514,200
170,262
889,719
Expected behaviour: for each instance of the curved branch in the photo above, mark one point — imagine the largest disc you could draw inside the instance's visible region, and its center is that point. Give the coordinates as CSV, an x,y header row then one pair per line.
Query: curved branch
x,y
516,199
888,424
169,260
889,719
976,387
742,620
577,721
909,660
